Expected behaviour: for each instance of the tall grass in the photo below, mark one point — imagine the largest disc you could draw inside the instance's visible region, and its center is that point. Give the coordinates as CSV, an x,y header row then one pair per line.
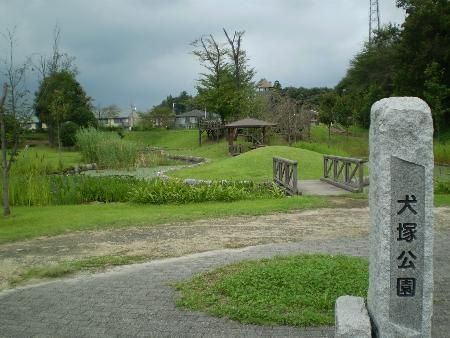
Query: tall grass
x,y
62,190
441,152
106,149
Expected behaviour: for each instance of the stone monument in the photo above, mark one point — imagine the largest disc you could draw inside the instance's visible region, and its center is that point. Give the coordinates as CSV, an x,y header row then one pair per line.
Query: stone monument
x,y
400,299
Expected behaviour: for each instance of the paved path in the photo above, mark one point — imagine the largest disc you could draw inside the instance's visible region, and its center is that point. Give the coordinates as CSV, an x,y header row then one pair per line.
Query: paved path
x,y
137,300
318,187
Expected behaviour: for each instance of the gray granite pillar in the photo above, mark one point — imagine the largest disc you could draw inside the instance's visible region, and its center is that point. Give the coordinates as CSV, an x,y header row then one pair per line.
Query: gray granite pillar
x,y
400,300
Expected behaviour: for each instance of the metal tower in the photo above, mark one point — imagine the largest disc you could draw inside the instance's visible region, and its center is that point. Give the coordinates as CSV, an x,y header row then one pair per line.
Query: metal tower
x,y
374,18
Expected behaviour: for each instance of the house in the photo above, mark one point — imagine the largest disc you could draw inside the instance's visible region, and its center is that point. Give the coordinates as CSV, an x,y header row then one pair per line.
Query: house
x,y
264,86
128,121
34,124
192,118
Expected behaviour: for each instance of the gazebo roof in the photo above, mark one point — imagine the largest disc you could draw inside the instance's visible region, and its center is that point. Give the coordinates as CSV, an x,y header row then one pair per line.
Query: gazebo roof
x,y
263,83
250,123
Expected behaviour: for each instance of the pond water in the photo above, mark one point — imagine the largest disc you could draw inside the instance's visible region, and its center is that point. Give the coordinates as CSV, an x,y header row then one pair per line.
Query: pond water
x,y
146,173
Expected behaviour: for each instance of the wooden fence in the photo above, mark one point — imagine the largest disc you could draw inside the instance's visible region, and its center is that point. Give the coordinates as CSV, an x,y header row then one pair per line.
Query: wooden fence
x,y
285,175
344,172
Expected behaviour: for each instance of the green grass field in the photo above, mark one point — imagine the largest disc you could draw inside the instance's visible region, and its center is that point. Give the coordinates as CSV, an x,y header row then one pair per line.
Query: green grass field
x,y
294,290
256,165
30,222
355,144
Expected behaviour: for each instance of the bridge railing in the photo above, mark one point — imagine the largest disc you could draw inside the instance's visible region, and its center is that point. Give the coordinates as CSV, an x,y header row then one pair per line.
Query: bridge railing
x,y
344,172
285,175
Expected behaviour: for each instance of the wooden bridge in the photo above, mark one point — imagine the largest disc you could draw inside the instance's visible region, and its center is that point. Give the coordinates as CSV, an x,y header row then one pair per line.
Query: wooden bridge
x,y
344,172
342,175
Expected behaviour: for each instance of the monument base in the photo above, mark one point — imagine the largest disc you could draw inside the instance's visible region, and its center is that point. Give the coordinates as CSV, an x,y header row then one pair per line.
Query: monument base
x,y
352,319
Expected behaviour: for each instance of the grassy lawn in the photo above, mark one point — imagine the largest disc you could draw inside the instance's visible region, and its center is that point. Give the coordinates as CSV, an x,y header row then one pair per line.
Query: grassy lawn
x,y
356,144
30,222
295,290
168,139
181,142
441,200
256,165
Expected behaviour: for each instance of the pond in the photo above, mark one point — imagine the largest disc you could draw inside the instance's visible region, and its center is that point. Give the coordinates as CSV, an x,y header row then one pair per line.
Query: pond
x,y
145,173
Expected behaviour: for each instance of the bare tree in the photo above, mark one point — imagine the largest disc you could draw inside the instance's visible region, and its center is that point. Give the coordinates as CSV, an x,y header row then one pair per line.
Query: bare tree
x,y
293,121
14,112
6,165
211,55
58,61
236,54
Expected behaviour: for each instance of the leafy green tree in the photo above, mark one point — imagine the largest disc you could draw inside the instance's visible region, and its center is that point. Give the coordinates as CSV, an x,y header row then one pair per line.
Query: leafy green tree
x,y
436,93
277,86
343,109
179,104
226,87
326,113
310,97
59,108
372,73
158,116
59,99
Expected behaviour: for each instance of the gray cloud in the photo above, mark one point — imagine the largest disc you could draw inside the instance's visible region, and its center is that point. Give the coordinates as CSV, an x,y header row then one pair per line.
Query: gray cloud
x,y
138,51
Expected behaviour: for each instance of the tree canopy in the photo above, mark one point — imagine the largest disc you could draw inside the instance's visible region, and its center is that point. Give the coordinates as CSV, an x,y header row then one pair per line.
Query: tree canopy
x,y
59,99
226,87
411,60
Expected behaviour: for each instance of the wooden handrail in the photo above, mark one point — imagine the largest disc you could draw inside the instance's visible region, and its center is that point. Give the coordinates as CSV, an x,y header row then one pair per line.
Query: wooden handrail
x,y
344,172
285,174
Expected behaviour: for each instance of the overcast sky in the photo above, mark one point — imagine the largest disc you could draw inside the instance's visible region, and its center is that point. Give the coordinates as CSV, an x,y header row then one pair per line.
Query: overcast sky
x,y
136,51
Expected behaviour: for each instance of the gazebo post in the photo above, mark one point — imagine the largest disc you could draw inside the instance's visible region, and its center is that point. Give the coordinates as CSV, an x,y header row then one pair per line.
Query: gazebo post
x,y
230,136
248,123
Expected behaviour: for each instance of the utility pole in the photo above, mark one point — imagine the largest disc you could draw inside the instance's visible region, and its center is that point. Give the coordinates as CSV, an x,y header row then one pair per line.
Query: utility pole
x,y
374,18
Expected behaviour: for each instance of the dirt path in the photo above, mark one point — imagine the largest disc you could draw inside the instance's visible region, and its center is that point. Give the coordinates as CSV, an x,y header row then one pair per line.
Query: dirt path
x,y
198,236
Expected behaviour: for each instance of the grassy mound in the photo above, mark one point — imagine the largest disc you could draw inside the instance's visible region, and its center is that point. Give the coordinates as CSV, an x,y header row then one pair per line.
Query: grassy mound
x,y
296,290
256,165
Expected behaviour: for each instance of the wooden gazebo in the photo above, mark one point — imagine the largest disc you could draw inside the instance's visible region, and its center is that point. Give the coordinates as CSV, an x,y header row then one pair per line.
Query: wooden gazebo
x,y
248,124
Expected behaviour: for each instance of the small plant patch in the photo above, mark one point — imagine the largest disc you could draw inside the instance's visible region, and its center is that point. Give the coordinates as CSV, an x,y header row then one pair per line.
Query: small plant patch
x,y
69,267
294,290
175,191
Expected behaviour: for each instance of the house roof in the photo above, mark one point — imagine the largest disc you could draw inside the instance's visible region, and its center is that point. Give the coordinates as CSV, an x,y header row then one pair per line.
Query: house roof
x,y
248,122
263,83
197,113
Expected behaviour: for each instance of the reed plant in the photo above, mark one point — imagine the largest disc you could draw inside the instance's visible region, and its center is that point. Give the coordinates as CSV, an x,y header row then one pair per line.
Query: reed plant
x,y
62,190
106,149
